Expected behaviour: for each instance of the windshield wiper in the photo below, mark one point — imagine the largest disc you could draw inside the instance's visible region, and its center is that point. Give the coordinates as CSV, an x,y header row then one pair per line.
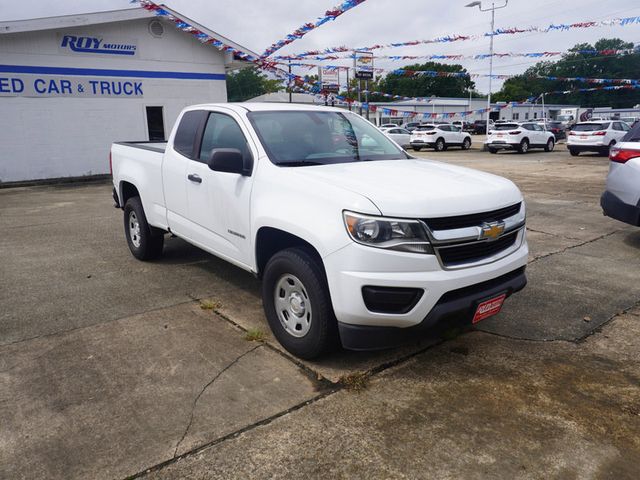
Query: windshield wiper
x,y
298,163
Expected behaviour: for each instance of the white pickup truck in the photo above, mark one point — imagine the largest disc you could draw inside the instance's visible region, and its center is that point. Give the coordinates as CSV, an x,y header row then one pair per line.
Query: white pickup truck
x,y
355,241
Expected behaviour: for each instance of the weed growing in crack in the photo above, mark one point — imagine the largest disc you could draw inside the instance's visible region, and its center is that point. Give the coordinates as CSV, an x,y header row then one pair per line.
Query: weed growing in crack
x,y
209,305
255,335
356,382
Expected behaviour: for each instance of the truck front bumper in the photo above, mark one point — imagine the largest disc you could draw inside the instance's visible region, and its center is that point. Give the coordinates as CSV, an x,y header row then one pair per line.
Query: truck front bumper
x,y
455,307
413,290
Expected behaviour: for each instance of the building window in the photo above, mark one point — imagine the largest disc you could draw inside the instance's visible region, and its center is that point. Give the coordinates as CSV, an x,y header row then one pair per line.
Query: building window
x,y
526,115
155,124
535,114
516,116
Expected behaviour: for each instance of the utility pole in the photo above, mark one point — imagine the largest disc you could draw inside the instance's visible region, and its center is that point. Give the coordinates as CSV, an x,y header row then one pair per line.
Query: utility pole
x,y
348,90
366,96
493,19
290,94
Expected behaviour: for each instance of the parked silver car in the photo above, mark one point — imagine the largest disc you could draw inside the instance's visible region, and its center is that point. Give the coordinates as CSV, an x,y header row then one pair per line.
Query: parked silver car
x,y
621,199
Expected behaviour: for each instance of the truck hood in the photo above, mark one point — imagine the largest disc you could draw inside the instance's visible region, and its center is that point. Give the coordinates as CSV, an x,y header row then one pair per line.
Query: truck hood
x,y
418,188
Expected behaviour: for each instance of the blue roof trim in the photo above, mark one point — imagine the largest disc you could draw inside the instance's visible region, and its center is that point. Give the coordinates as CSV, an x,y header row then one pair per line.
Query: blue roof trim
x,y
99,72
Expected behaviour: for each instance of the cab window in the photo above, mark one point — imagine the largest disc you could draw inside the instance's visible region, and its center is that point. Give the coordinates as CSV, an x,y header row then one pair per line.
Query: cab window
x,y
222,131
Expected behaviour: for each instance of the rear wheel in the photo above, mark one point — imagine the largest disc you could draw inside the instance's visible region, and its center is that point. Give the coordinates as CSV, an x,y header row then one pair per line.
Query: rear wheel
x,y
493,150
297,304
441,146
524,146
574,152
466,144
550,145
605,151
145,242
417,149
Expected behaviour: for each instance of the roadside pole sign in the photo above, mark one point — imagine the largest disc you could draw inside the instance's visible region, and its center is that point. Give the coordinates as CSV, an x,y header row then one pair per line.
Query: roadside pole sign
x,y
363,65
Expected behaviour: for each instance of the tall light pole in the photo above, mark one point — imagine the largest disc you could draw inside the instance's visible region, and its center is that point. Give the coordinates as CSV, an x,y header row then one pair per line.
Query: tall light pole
x,y
493,18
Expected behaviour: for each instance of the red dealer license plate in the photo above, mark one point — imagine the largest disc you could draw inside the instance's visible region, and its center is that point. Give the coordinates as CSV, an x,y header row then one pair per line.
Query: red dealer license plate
x,y
489,308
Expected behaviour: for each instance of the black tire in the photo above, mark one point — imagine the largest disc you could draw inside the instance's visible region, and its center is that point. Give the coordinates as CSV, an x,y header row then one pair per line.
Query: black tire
x,y
147,242
297,265
440,145
605,151
466,143
417,149
524,146
493,150
549,146
573,152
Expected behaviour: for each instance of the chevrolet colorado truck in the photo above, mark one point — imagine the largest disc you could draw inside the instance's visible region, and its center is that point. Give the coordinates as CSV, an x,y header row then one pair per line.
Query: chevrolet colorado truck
x,y
355,241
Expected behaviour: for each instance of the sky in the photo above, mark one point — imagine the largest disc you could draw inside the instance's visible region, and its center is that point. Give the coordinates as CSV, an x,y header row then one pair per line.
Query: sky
x,y
256,24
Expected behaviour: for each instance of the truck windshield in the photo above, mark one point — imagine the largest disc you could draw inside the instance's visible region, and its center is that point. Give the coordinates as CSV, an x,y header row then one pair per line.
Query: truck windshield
x,y
300,138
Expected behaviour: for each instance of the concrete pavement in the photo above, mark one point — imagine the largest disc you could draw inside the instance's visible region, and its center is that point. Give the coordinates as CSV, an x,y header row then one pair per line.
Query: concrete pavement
x,y
109,367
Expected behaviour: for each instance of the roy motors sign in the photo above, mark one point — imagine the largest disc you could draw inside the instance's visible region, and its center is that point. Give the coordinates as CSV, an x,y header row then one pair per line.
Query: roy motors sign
x,y
96,45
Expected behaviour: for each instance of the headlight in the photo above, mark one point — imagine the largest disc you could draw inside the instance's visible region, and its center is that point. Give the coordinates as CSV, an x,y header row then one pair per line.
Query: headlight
x,y
388,233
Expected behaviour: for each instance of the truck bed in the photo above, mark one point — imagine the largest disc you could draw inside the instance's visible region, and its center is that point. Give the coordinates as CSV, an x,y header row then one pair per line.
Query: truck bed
x,y
158,147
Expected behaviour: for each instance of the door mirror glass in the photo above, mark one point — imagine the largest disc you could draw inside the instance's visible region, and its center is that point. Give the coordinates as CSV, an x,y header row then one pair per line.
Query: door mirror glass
x,y
226,160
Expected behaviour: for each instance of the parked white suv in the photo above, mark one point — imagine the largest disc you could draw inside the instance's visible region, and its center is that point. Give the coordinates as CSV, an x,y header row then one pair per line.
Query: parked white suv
x,y
595,136
439,137
621,199
519,137
354,240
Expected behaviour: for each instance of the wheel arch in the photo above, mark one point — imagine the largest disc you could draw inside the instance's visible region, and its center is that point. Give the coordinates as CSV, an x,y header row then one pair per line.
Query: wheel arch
x,y
271,240
127,190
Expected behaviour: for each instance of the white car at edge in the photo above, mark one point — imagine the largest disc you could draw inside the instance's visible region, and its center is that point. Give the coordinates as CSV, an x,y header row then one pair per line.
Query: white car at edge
x,y
355,241
520,137
621,199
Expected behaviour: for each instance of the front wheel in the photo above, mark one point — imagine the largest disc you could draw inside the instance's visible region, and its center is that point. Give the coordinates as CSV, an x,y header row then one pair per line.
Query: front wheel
x,y
145,242
524,146
466,144
550,145
297,304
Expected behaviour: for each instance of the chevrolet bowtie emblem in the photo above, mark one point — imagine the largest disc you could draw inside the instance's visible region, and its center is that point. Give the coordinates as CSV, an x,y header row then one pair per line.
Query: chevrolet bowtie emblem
x,y
491,231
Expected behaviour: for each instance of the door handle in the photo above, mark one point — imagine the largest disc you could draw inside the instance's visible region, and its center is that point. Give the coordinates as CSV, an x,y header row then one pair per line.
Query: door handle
x,y
194,178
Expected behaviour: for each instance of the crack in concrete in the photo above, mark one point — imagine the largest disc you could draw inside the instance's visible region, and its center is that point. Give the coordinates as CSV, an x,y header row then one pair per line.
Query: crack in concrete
x,y
204,389
233,435
551,234
571,247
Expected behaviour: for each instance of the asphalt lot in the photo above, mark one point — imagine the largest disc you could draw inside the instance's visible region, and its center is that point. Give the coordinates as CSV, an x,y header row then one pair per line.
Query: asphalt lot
x,y
111,368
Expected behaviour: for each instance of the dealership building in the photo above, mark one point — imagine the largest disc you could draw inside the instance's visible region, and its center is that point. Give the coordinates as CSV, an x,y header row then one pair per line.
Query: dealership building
x,y
72,85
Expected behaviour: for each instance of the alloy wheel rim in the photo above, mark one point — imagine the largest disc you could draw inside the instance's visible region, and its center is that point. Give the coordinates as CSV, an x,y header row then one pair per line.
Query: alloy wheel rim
x,y
293,305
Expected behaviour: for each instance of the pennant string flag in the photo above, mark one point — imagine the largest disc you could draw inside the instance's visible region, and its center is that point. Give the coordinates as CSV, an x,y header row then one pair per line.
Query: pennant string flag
x,y
301,31
482,56
614,22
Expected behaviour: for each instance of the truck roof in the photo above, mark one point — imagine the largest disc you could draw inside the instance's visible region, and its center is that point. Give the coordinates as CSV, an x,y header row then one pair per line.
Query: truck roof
x,y
266,106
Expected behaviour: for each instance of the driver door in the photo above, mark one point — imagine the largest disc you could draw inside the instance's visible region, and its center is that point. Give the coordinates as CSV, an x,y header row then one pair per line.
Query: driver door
x,y
219,202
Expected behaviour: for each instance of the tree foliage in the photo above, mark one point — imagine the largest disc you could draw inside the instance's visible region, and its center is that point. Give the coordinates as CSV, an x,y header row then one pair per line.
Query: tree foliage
x,y
575,64
249,83
420,86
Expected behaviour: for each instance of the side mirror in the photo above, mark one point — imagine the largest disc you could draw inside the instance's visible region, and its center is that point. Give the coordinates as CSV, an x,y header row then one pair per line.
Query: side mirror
x,y
230,160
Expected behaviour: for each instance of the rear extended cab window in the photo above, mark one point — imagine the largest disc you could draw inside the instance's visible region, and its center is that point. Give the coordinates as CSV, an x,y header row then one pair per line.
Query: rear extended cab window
x,y
188,131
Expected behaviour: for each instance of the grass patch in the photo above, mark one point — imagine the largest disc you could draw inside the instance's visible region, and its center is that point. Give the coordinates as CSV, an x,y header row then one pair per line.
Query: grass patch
x,y
209,305
355,382
255,335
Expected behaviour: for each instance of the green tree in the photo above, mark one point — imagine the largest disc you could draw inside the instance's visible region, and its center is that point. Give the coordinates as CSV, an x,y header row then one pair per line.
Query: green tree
x,y
577,64
422,85
249,83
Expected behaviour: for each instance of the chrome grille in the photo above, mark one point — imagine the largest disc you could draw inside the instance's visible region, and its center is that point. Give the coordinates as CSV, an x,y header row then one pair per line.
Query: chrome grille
x,y
460,241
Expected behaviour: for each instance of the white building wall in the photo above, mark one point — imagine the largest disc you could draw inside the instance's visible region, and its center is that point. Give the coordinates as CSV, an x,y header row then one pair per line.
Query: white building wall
x,y
65,136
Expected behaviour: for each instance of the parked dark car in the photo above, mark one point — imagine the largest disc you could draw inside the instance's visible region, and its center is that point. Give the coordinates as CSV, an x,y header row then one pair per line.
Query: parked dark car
x,y
480,126
556,128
